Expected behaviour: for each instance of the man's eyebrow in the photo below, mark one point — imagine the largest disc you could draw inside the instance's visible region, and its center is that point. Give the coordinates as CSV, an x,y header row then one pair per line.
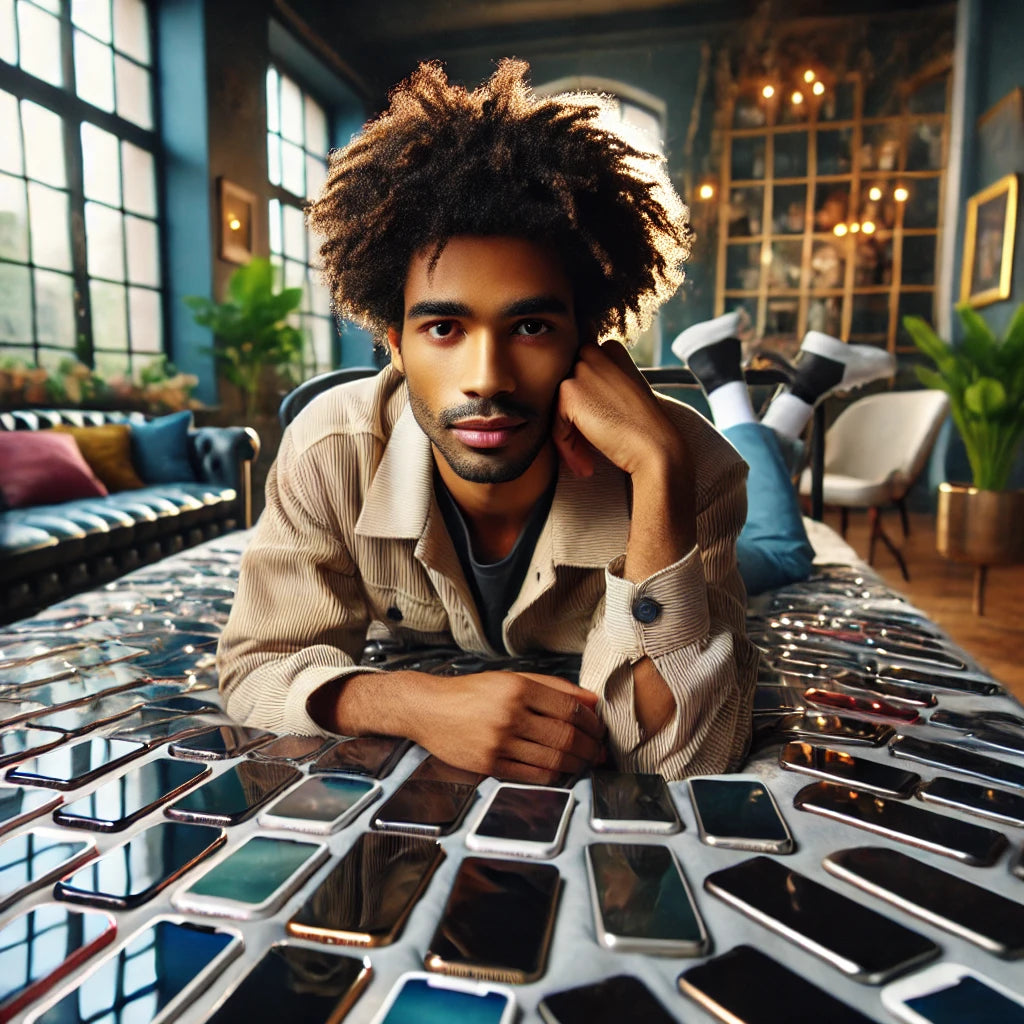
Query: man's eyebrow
x,y
535,305
437,307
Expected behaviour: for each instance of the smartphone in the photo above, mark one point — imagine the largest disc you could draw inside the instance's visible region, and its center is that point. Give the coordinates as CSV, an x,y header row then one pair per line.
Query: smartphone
x,y
418,997
150,978
375,756
433,769
254,880
293,749
421,807
321,804
950,994
21,744
367,896
737,812
744,986
983,801
235,795
610,1001
816,725
854,939
631,802
221,742
956,758
874,707
524,821
521,895
840,766
115,805
903,822
316,985
935,678
134,872
36,858
971,911
71,766
641,900
157,730
41,947
18,805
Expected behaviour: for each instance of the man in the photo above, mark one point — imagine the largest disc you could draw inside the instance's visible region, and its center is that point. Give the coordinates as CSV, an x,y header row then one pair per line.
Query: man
x,y
506,483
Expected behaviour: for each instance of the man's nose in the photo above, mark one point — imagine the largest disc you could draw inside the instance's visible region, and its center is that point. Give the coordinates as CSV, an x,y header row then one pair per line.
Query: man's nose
x,y
487,368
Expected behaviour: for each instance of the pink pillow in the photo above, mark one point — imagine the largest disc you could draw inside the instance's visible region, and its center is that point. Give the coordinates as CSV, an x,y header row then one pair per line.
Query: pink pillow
x,y
43,468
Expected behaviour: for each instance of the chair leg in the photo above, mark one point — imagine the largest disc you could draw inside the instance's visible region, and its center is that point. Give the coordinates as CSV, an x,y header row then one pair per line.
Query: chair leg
x,y
844,521
904,518
878,533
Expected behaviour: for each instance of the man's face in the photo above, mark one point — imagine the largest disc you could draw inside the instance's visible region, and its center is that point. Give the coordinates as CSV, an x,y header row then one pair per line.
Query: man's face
x,y
489,334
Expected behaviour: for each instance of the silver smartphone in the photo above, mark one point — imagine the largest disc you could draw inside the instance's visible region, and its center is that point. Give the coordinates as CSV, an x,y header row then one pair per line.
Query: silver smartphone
x,y
522,821
737,812
631,802
322,804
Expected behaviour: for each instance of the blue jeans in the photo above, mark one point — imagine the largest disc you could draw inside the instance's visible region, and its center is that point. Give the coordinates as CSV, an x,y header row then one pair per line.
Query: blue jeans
x,y
772,548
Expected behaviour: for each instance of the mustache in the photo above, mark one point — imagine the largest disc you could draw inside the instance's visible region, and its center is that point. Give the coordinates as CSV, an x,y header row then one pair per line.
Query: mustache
x,y
486,408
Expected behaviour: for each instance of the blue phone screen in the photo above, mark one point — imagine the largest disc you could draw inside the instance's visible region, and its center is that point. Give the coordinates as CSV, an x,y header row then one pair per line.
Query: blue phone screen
x,y
419,1002
969,999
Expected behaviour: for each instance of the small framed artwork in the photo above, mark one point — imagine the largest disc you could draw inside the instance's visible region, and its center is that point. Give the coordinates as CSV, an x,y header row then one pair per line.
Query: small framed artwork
x,y
237,211
989,239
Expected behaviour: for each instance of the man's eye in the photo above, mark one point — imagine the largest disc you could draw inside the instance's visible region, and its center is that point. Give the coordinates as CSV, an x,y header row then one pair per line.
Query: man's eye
x,y
531,328
443,329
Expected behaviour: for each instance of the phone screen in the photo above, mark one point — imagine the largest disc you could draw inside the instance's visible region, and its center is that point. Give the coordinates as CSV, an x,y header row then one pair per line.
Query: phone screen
x,y
163,962
421,1000
616,999
115,805
827,762
70,766
521,895
817,725
969,796
632,797
424,807
34,858
19,744
375,756
945,755
19,805
134,872
315,985
531,814
321,799
740,814
968,999
221,742
235,794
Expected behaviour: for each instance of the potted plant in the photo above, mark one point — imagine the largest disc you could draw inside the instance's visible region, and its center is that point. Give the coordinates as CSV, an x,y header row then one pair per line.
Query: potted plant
x,y
984,378
252,330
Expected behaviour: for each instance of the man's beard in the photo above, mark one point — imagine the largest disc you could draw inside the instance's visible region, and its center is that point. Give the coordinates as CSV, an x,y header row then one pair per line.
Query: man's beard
x,y
480,467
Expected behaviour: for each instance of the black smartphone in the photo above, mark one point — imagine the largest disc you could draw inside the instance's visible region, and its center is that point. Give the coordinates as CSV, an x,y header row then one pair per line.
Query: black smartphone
x,y
234,795
293,749
522,895
631,802
817,725
368,895
36,858
425,808
971,911
903,822
18,805
116,805
611,1001
956,758
221,742
134,872
983,801
375,756
433,769
641,900
41,947
69,767
317,986
738,812
841,931
524,821
935,678
841,766
744,986
167,962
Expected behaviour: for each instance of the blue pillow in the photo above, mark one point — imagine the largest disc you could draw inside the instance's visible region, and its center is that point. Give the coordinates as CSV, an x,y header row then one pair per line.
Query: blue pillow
x,y
160,449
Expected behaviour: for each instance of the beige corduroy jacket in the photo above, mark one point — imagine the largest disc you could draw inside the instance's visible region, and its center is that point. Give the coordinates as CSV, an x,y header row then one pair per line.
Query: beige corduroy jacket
x,y
352,535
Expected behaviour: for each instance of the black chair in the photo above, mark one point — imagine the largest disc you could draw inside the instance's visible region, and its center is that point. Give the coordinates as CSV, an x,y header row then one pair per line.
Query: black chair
x,y
299,397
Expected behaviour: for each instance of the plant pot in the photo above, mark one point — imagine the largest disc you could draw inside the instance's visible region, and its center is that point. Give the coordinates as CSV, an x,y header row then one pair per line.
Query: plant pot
x,y
983,527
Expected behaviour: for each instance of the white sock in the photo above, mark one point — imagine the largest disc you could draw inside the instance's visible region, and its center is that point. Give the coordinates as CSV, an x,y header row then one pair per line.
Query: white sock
x,y
787,415
730,404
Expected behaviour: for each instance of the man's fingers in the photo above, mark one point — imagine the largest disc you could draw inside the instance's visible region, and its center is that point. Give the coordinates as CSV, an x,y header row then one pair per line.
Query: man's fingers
x,y
515,771
563,686
568,709
558,762
572,446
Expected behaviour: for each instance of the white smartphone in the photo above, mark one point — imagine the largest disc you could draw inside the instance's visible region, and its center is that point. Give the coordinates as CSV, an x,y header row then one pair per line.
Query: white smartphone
x,y
950,994
418,997
254,880
322,804
522,821
631,802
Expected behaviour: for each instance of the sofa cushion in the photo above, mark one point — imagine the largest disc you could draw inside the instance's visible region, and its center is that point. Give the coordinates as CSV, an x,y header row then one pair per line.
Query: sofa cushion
x,y
108,450
160,449
40,468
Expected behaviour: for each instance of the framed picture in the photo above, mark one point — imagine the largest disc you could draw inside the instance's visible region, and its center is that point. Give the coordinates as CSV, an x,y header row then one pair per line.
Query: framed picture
x,y
237,210
988,250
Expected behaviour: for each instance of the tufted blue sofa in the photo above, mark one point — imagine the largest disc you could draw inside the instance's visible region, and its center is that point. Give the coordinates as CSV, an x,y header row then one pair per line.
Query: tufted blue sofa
x,y
51,552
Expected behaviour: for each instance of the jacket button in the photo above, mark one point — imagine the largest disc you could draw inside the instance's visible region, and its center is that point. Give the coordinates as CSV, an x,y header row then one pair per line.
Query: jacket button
x,y
395,614
646,610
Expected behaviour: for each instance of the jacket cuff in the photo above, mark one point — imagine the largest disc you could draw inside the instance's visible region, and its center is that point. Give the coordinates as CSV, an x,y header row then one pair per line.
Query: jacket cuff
x,y
297,719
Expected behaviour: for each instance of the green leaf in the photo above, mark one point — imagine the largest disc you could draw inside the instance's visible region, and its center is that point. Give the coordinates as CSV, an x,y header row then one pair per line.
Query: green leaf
x,y
985,398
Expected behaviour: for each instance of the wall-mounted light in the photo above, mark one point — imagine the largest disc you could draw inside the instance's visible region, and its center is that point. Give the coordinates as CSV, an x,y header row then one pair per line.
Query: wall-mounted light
x,y
900,194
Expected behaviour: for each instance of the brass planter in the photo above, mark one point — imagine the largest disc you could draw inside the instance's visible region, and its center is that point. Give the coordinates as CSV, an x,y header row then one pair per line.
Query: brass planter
x,y
983,527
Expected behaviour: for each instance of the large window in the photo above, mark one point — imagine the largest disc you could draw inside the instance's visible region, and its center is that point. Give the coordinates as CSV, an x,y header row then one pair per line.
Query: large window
x,y
297,143
79,213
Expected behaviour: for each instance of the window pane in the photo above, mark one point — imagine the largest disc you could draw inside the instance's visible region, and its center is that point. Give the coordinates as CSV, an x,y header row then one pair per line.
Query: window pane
x,y
13,219
109,323
915,304
274,217
55,309
825,315
922,208
831,202
131,29
316,174
39,43
15,304
113,364
743,267
748,157
316,127
51,246
924,147
873,256
919,259
294,234
789,209
274,159
781,318
745,209
294,275
273,110
139,180
101,167
143,254
94,72
103,241
44,144
320,338
880,150
291,110
10,137
8,34
870,318
145,320
133,93
320,297
784,271
93,16
791,155
834,152
293,167
828,265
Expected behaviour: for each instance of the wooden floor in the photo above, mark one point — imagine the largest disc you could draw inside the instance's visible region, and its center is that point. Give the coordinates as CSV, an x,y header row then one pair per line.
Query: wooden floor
x,y
944,589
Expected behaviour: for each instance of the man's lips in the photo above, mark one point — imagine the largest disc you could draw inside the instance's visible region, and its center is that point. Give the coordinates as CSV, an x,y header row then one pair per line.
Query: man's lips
x,y
486,433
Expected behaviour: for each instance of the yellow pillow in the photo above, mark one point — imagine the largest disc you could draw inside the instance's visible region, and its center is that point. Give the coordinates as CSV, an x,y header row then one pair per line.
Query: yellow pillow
x,y
108,450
